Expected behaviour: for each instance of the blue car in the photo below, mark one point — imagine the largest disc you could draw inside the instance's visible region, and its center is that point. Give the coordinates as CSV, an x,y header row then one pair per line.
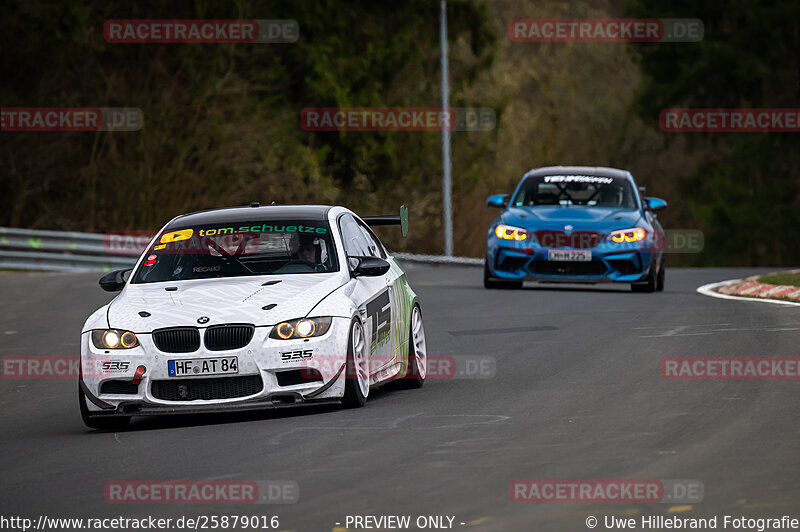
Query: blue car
x,y
576,224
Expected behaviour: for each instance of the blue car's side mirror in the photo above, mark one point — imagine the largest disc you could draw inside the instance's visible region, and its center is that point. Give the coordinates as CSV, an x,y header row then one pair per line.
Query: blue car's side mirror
x,y
655,204
498,200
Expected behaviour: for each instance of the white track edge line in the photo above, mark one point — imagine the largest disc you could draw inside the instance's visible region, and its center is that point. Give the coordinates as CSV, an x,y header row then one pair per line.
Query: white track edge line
x,y
708,290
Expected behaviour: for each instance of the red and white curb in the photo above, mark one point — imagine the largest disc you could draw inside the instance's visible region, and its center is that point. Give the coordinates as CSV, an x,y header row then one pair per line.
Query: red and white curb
x,y
758,292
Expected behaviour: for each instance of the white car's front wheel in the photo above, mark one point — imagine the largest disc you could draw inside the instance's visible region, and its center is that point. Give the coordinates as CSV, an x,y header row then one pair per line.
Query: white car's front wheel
x,y
417,351
356,384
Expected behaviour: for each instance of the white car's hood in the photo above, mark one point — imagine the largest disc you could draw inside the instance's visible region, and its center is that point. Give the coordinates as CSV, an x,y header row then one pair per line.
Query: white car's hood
x,y
228,300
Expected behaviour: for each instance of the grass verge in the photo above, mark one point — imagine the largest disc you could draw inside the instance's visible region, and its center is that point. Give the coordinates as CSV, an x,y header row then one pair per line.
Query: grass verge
x,y
786,279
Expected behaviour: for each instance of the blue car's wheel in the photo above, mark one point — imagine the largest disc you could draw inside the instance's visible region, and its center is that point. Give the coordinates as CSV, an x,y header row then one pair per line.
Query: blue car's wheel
x,y
650,284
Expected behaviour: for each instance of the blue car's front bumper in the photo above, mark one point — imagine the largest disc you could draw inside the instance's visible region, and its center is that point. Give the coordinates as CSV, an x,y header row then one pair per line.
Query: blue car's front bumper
x,y
520,261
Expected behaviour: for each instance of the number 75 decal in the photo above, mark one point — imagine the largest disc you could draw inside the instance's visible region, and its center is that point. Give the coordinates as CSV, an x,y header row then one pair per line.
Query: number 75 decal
x,y
379,312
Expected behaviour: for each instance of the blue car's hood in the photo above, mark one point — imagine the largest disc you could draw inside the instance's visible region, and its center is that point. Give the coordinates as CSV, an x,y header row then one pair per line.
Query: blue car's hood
x,y
580,218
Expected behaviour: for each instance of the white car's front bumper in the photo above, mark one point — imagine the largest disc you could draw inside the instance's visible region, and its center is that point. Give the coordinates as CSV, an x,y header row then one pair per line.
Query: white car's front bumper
x,y
270,373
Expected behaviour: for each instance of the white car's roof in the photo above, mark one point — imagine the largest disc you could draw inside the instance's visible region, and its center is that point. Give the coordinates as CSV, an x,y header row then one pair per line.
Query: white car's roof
x,y
255,212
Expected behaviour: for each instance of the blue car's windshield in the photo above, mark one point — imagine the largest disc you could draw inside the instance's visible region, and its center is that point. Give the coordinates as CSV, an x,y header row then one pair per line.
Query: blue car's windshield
x,y
575,190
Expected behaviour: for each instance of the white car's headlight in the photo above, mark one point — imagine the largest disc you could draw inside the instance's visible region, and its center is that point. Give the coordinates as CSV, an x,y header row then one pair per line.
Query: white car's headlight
x,y
114,339
301,328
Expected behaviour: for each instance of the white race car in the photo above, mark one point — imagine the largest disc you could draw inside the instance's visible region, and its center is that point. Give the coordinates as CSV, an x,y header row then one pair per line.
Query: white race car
x,y
248,308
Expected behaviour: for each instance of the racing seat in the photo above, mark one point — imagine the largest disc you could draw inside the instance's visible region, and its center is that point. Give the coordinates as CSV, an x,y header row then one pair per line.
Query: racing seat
x,y
545,198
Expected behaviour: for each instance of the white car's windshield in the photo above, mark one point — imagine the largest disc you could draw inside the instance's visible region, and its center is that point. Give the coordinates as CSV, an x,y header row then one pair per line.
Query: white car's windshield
x,y
238,249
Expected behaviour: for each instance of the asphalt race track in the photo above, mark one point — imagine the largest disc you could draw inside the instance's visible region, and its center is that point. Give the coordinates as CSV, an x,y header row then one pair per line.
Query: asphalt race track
x,y
576,394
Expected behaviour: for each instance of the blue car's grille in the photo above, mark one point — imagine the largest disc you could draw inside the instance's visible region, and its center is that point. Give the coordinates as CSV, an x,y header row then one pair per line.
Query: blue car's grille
x,y
625,266
545,267
576,240
511,263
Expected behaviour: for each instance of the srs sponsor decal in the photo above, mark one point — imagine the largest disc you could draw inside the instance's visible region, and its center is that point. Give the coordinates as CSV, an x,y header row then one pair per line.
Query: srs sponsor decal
x,y
299,354
116,366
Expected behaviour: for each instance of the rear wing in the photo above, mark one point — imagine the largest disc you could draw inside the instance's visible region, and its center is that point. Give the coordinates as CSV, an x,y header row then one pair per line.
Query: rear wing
x,y
390,219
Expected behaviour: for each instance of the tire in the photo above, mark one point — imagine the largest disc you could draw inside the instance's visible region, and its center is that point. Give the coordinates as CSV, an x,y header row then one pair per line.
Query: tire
x,y
100,422
492,284
356,382
649,286
660,279
417,352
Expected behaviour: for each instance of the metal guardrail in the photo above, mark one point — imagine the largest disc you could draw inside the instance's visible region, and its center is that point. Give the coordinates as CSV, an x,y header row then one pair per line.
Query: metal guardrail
x,y
439,259
31,249
66,251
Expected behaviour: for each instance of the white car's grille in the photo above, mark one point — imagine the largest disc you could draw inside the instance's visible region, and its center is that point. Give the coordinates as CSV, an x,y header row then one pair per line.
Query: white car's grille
x,y
177,339
232,336
207,389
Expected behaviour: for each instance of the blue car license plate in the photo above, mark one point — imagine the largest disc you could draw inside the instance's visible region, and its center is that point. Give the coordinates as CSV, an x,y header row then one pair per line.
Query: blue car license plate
x,y
569,255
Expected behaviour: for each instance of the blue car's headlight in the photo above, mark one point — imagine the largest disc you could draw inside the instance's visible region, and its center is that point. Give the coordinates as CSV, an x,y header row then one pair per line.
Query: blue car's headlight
x,y
635,234
509,232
